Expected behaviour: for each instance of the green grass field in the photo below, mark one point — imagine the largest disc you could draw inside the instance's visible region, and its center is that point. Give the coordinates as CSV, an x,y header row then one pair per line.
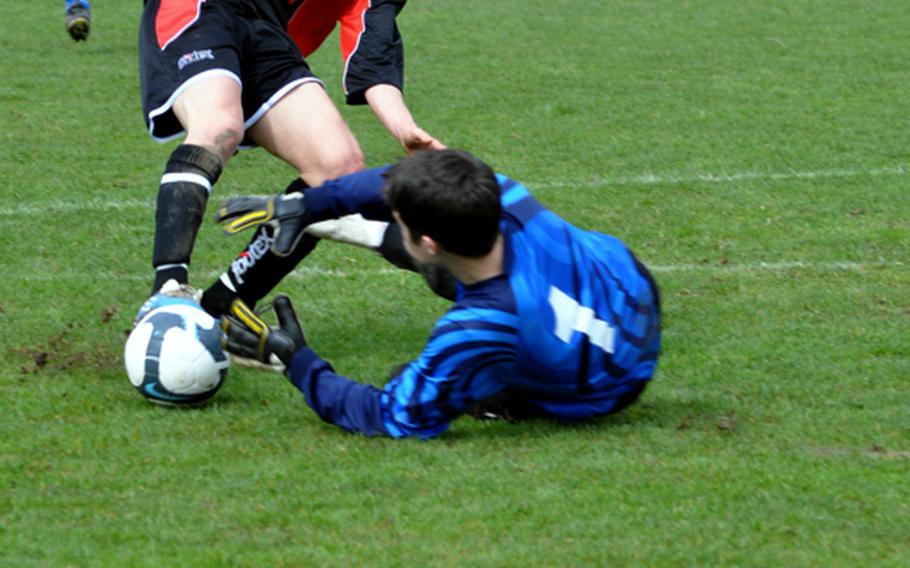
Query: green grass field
x,y
755,154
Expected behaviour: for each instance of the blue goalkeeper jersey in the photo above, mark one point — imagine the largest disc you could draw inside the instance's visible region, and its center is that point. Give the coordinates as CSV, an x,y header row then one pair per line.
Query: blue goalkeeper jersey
x,y
570,326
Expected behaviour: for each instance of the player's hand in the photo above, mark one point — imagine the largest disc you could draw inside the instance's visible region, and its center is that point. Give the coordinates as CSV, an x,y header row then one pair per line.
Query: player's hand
x,y
247,335
419,139
285,213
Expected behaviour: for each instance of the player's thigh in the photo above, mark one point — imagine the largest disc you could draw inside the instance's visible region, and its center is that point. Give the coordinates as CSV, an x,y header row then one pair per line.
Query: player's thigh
x,y
305,129
211,112
191,52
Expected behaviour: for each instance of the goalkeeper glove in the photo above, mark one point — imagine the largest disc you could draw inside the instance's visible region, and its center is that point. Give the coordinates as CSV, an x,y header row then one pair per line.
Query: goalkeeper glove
x,y
284,213
247,335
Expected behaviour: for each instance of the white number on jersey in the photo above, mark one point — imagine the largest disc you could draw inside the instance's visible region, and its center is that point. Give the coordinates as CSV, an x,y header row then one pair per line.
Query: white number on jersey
x,y
572,316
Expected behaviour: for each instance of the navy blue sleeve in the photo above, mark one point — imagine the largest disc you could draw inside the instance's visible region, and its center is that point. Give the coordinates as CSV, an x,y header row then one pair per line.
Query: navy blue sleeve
x,y
360,192
353,406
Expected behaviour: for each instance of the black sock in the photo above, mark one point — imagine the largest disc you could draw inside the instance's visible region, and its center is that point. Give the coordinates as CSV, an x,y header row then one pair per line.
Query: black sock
x,y
188,178
257,270
217,298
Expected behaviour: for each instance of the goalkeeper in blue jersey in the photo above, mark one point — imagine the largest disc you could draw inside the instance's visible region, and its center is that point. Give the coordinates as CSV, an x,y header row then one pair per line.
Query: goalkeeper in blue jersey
x,y
548,320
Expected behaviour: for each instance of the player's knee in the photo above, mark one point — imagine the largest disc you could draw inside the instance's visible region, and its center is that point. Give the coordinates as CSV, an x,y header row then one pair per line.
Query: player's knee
x,y
352,161
222,139
227,140
344,163
329,162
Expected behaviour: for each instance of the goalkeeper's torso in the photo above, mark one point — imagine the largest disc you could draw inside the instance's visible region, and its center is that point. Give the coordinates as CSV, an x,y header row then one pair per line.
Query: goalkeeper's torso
x,y
587,310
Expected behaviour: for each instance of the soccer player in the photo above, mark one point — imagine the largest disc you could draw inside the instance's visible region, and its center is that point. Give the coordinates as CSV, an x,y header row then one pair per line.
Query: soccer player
x,y
78,19
232,74
549,320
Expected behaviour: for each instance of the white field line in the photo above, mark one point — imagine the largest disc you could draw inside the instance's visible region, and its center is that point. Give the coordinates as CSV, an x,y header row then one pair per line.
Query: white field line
x,y
670,179
73,206
639,179
756,267
306,272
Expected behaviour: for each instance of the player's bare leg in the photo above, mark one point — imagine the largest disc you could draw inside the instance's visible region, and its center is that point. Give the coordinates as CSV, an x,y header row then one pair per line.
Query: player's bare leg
x,y
211,113
212,116
307,131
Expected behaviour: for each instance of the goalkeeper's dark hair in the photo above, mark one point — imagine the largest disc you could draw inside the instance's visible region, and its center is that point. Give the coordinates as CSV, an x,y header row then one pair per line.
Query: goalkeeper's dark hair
x,y
448,195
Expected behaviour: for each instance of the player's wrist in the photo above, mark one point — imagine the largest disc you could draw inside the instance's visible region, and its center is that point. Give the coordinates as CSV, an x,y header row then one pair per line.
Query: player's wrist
x,y
301,363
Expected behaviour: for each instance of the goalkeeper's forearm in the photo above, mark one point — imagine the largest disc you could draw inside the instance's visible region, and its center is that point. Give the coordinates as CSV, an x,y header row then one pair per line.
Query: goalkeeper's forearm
x,y
360,192
353,406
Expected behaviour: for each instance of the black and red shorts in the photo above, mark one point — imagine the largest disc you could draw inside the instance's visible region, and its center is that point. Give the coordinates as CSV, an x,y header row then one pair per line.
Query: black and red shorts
x,y
184,41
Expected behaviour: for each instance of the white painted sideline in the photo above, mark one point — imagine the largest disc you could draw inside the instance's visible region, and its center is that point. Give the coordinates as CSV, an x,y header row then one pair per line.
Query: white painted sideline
x,y
755,267
639,179
304,272
71,206
661,179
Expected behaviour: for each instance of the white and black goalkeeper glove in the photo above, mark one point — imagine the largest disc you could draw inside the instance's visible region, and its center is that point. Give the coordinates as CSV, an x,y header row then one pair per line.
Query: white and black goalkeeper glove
x,y
247,335
284,213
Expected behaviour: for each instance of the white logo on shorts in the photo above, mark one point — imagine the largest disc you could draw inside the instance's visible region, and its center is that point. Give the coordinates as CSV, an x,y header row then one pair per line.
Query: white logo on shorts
x,y
194,57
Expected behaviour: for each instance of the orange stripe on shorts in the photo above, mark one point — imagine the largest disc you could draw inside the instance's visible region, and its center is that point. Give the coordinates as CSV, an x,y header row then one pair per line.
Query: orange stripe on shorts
x,y
173,17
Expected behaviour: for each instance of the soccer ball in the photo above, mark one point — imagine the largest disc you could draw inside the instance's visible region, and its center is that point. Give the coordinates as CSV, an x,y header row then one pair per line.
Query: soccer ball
x,y
173,356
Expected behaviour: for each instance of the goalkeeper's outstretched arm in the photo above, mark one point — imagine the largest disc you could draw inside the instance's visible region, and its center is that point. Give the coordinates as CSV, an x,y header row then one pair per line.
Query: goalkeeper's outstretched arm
x,y
353,406
290,214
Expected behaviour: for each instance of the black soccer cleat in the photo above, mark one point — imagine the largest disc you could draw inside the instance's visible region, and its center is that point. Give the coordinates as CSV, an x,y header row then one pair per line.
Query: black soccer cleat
x,y
78,21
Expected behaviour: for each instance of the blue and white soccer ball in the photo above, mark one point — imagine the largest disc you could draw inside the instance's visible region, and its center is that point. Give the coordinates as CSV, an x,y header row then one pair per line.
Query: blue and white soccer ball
x,y
173,356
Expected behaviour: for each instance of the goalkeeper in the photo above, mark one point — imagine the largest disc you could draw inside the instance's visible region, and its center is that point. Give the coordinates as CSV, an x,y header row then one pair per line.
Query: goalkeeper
x,y
549,320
